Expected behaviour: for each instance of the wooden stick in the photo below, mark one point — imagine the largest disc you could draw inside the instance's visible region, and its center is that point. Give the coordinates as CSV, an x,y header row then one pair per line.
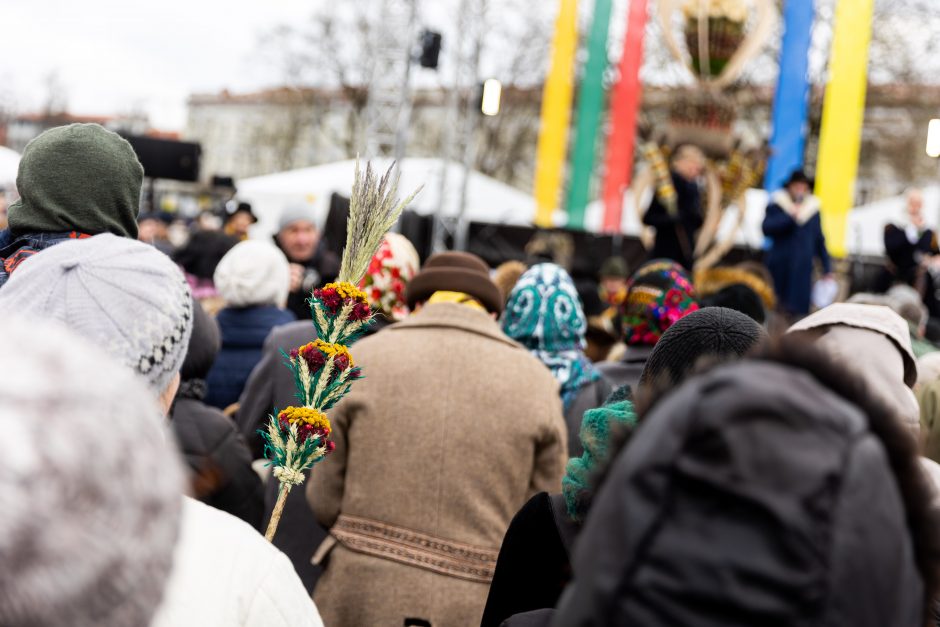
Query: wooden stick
x,y
282,493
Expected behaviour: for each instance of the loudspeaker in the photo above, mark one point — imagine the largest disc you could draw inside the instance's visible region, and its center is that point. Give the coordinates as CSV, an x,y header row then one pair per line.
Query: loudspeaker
x,y
430,49
166,158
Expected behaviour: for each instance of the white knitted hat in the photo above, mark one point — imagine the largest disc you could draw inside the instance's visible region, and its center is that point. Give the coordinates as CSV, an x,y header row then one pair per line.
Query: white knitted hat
x,y
123,295
253,273
89,484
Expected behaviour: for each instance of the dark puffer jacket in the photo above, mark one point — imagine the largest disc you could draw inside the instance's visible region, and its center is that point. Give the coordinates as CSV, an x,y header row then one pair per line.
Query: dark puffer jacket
x,y
760,494
243,333
217,455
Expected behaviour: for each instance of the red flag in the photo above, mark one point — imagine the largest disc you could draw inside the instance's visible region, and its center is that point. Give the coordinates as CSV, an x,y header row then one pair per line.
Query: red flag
x,y
625,102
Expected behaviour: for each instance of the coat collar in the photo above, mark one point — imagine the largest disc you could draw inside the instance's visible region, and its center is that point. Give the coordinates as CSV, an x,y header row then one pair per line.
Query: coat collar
x,y
454,316
804,212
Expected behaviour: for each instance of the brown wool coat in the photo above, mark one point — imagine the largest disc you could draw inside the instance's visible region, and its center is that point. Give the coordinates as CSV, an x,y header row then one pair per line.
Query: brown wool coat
x,y
450,432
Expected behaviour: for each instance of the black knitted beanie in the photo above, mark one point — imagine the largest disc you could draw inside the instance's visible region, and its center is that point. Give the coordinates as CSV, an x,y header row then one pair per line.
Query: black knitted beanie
x,y
714,333
739,297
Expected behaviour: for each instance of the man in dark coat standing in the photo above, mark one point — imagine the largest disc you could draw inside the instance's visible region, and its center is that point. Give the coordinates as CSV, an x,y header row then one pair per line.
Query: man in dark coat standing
x,y
677,227
793,224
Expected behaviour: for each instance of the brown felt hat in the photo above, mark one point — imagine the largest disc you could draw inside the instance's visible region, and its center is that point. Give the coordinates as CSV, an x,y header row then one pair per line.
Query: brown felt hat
x,y
455,272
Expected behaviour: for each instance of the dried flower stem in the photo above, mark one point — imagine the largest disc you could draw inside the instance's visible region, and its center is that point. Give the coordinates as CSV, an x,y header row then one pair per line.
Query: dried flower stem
x,y
282,491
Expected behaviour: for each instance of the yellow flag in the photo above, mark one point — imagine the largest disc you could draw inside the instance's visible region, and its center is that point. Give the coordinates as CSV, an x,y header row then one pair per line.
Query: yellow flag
x,y
843,113
556,114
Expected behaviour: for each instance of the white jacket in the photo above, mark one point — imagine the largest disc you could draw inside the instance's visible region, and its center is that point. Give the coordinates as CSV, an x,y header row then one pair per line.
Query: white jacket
x,y
226,574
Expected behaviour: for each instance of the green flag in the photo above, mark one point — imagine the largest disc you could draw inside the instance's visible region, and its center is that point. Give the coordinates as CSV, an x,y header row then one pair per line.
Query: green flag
x,y
590,104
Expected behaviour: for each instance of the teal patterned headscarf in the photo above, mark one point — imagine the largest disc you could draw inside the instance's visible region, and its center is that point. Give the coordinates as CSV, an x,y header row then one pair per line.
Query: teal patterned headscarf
x,y
544,314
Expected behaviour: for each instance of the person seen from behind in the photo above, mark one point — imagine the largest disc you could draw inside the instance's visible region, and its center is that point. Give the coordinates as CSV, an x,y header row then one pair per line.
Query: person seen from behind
x,y
452,429
253,279
272,385
74,181
130,299
534,562
544,315
220,463
89,483
659,294
816,476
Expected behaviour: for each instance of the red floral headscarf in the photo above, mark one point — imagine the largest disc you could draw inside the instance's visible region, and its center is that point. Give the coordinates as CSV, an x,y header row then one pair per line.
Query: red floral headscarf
x,y
658,295
393,266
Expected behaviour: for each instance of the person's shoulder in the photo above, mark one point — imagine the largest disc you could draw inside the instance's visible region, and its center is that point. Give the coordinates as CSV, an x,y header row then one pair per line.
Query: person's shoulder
x,y
217,531
201,427
223,548
291,334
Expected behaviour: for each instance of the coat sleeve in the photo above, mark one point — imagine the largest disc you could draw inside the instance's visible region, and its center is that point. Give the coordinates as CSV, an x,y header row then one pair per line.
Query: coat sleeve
x,y
656,215
257,399
280,599
551,450
532,567
327,482
243,494
777,222
821,251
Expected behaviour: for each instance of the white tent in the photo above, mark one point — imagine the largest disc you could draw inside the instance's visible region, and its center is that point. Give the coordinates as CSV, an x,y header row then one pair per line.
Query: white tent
x,y
488,200
9,164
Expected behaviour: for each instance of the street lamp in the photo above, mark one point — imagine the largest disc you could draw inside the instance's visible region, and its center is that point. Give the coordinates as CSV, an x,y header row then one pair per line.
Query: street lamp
x,y
492,90
933,138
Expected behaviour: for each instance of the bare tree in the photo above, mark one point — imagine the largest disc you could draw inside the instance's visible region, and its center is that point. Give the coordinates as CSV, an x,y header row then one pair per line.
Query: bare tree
x,y
55,103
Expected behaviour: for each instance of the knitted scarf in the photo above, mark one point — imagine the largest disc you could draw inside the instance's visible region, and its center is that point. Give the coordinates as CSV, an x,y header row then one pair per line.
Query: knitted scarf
x,y
577,484
544,314
25,246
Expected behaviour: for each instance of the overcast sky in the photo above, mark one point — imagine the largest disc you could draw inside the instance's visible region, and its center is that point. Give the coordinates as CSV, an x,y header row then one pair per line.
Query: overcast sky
x,y
115,55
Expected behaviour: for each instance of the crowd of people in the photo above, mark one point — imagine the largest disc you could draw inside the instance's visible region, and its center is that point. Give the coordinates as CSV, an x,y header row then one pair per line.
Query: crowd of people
x,y
654,447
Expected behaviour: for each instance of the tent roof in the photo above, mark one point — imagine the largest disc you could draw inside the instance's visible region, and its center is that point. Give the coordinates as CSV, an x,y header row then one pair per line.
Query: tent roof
x,y
488,200
9,164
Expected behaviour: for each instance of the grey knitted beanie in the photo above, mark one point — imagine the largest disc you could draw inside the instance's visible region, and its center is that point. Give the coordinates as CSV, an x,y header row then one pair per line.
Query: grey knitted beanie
x,y
89,485
715,333
123,295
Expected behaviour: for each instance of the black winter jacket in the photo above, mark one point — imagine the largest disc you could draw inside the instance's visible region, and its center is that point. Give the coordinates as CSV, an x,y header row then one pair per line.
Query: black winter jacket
x,y
759,494
216,453
219,459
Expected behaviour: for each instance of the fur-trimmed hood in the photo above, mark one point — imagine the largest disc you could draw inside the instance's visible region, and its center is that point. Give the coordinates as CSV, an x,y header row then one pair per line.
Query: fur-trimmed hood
x,y
777,490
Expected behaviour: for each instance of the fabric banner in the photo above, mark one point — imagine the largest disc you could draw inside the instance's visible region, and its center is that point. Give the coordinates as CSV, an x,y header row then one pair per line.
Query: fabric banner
x,y
843,113
590,105
625,103
791,99
556,114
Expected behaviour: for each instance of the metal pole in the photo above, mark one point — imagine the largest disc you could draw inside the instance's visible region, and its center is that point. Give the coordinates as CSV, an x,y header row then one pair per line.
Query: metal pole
x,y
470,124
404,112
441,227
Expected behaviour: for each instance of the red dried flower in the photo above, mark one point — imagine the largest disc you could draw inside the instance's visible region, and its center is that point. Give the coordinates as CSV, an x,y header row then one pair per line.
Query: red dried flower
x,y
313,356
361,311
330,299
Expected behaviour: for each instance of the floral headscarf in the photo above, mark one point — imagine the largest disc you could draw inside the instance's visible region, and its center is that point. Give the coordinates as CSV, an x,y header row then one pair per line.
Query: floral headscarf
x,y
392,267
659,293
544,314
